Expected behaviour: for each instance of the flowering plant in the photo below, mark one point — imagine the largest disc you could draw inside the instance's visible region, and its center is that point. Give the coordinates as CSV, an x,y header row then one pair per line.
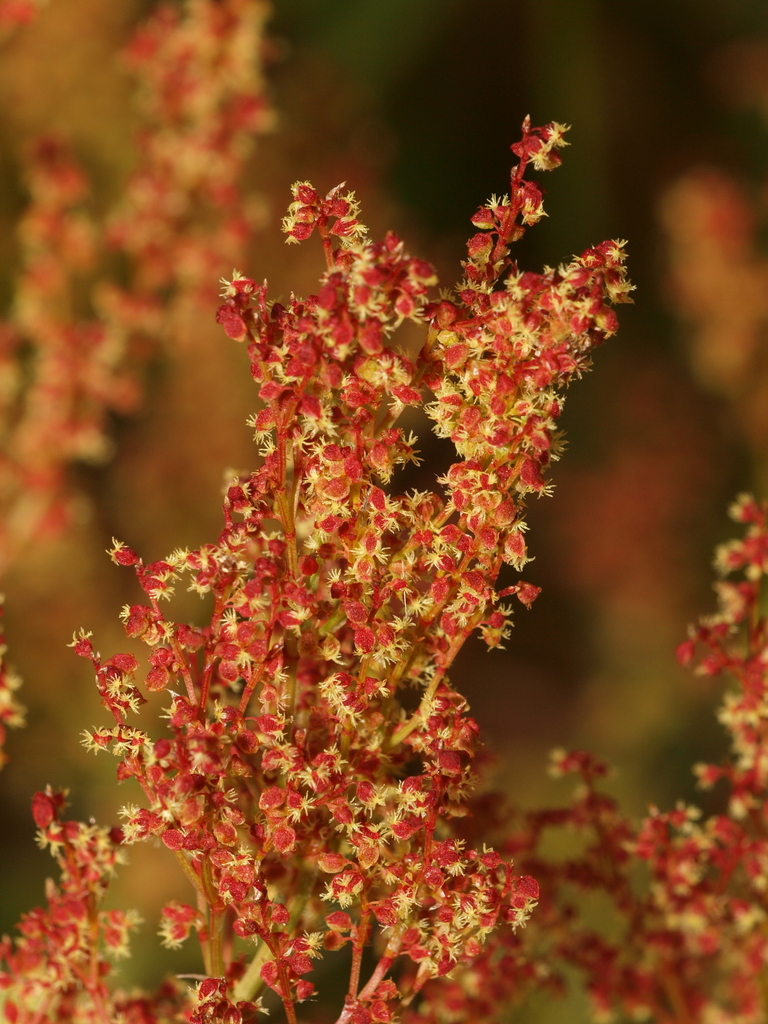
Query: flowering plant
x,y
96,291
314,776
687,941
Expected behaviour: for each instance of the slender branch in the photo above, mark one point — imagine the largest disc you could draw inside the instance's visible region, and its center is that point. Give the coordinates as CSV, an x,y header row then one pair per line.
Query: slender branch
x,y
190,872
250,686
185,672
288,1004
357,949
94,982
385,962
285,507
675,995
418,716
42,1011
215,946
250,983
379,973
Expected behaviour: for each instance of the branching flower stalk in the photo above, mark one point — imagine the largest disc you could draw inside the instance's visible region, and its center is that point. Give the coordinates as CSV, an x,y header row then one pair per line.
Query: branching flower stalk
x,y
688,890
78,331
309,800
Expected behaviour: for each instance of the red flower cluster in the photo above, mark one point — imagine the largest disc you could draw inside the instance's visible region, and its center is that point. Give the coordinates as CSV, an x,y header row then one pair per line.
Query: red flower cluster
x,y
316,774
307,804
198,70
75,338
60,956
688,940
54,413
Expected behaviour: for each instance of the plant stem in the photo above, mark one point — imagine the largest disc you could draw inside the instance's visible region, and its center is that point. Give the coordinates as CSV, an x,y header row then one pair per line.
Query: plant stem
x,y
247,986
285,506
417,717
357,951
288,1004
215,948
375,979
190,872
250,983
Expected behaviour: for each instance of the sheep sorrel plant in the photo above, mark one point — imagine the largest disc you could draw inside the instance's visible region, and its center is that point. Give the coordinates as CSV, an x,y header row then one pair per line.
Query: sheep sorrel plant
x,y
312,804
78,332
687,941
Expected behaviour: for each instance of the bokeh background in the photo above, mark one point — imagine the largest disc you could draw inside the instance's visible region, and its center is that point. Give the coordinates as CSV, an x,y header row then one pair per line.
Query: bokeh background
x,y
414,104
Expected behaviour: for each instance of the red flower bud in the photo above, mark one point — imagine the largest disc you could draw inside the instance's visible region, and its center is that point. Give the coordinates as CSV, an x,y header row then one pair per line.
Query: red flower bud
x,y
284,839
43,809
365,641
173,839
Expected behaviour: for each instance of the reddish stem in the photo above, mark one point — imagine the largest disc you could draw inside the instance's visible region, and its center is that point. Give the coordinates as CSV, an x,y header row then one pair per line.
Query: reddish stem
x,y
357,950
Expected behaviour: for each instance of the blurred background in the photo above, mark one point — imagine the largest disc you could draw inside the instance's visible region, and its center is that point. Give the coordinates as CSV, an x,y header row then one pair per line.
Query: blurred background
x,y
415,106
